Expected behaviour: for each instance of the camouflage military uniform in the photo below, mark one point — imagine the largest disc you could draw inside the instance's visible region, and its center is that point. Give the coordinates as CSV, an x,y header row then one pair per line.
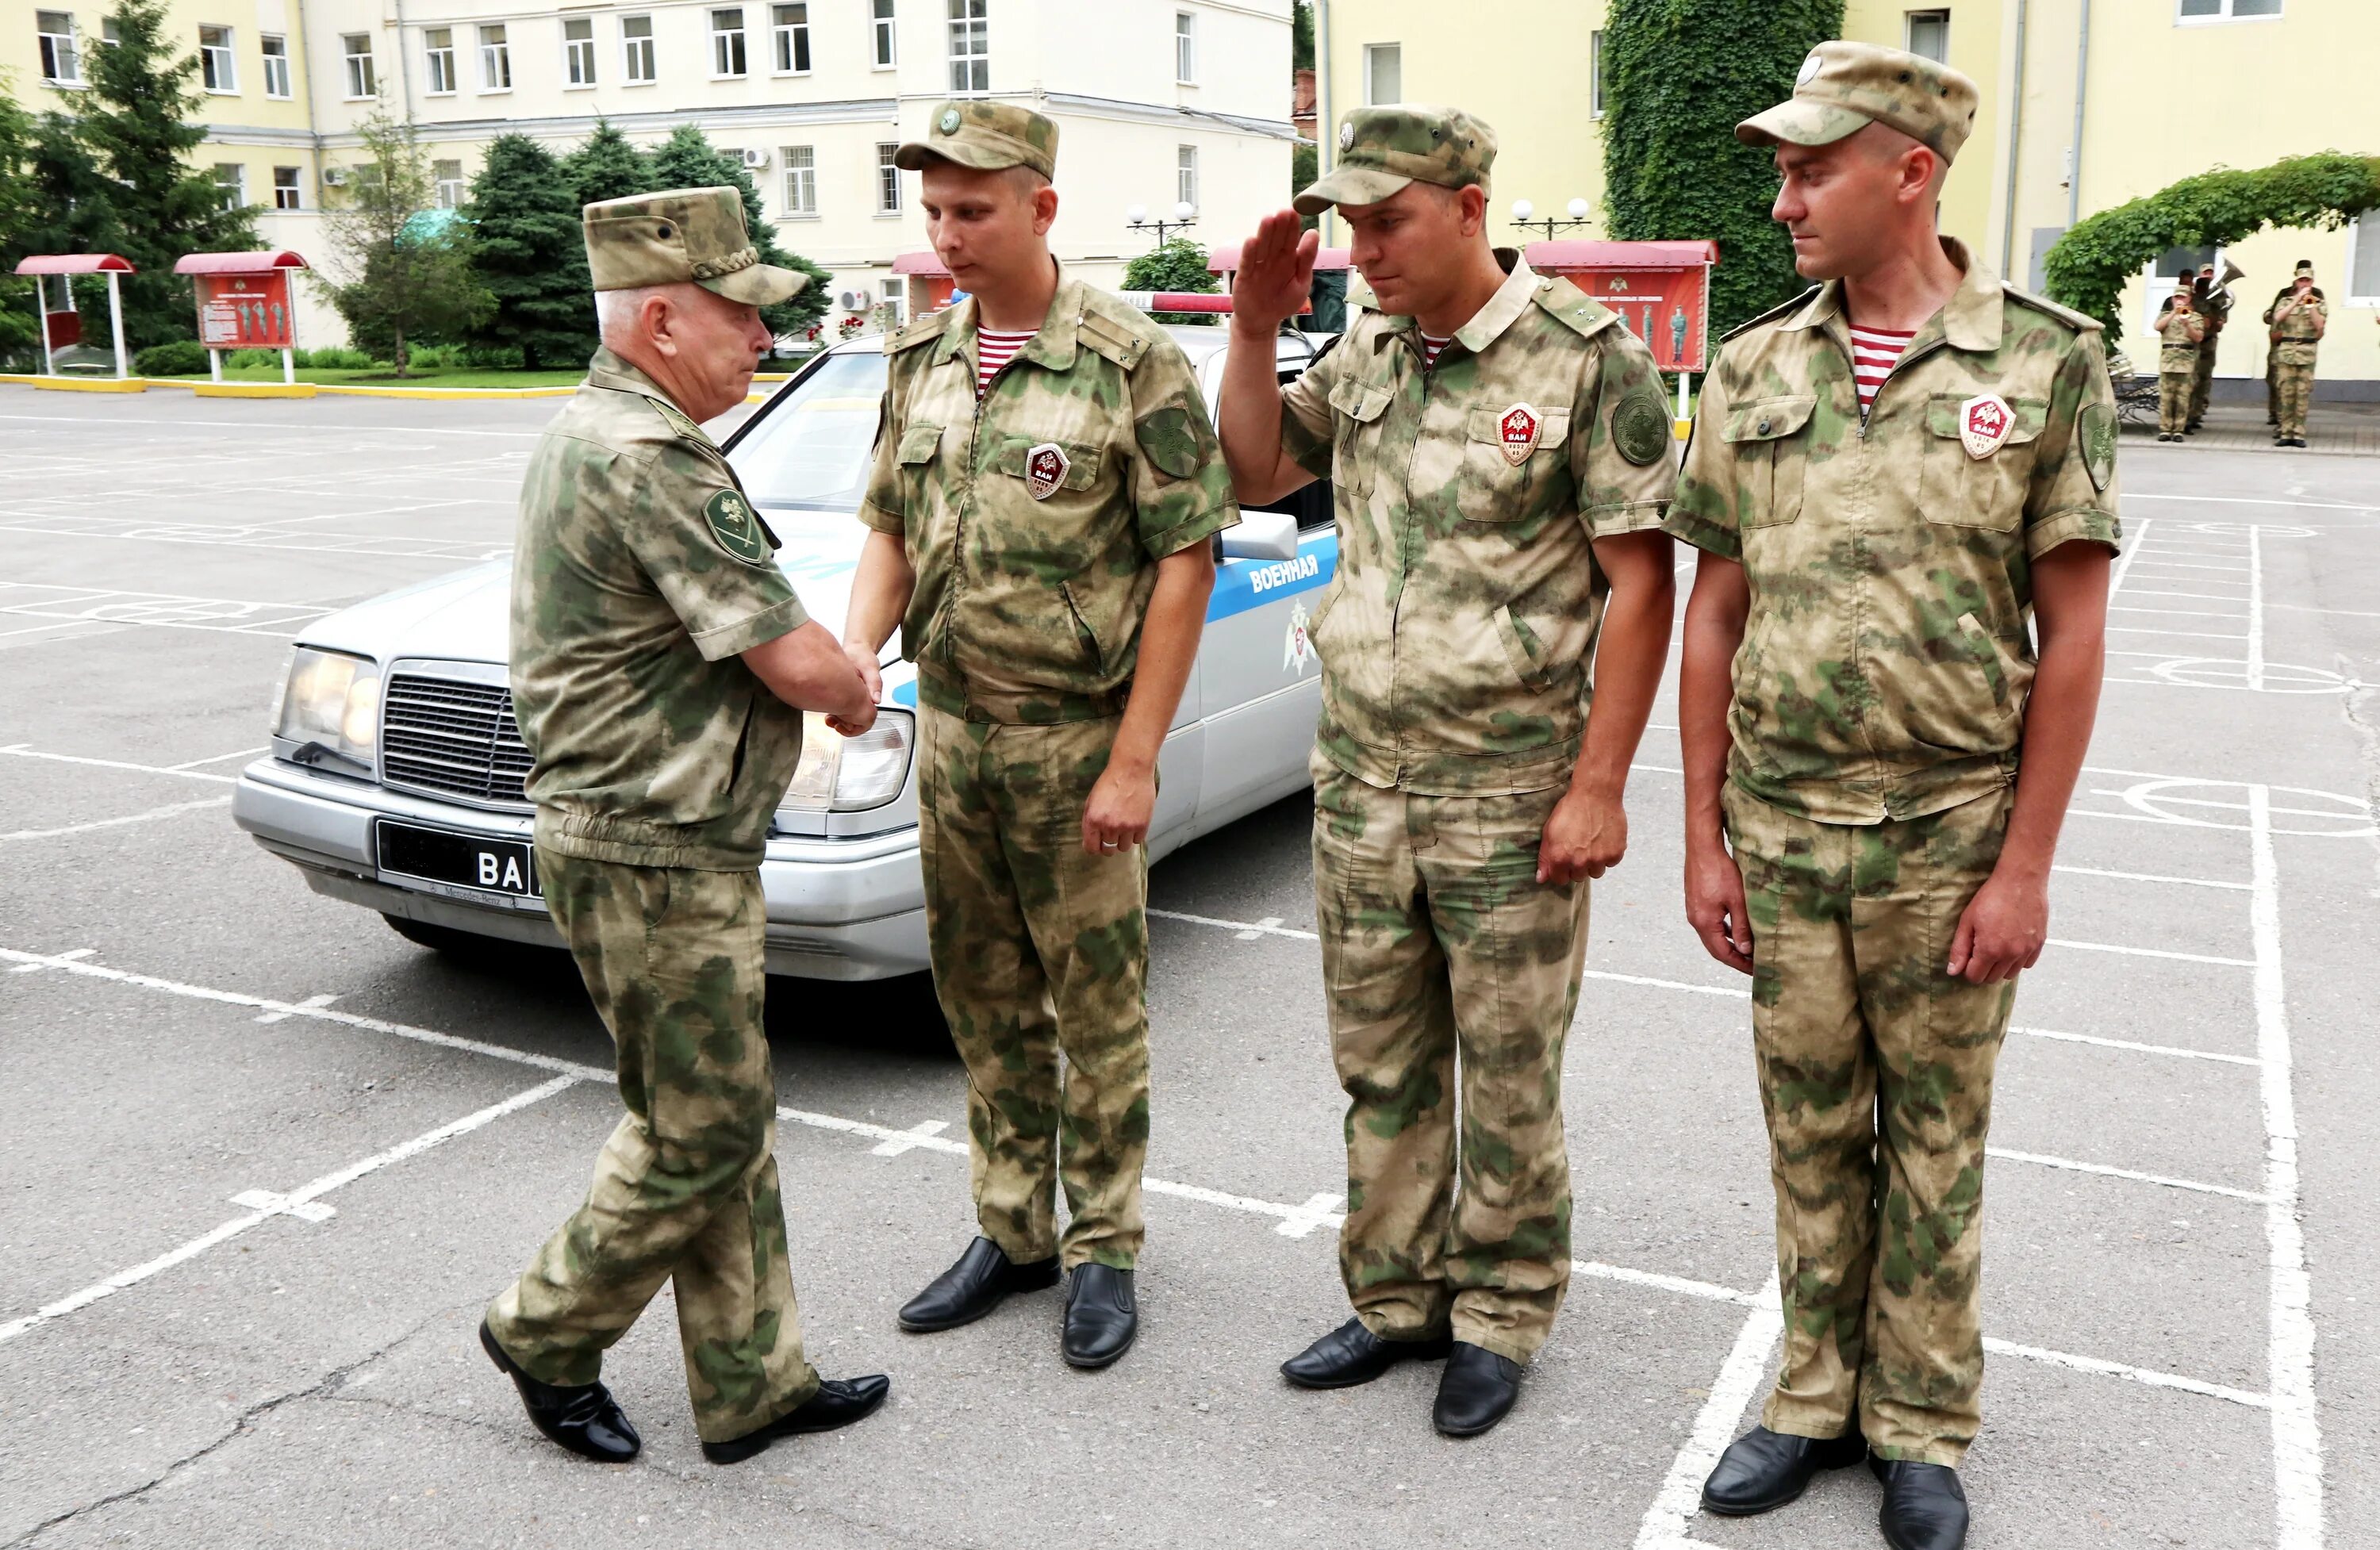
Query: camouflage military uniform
x,y
2177,362
2297,333
1455,643
2215,306
1878,721
1034,521
641,574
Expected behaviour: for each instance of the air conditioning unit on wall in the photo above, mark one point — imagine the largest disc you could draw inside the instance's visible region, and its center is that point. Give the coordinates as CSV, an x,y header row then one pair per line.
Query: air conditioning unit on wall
x,y
334,178
860,298
755,159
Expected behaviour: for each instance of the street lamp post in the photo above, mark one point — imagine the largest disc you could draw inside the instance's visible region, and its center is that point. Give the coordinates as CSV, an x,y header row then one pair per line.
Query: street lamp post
x,y
1185,217
1524,215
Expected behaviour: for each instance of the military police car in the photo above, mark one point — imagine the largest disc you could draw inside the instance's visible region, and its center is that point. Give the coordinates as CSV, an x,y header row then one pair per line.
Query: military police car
x,y
395,778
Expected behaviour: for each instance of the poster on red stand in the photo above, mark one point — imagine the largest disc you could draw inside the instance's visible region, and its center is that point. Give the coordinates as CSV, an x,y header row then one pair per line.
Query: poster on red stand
x,y
244,311
1662,290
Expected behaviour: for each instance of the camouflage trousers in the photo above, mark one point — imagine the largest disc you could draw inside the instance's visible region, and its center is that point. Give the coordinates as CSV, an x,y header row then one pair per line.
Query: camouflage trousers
x,y
2271,385
686,1190
2293,392
2202,380
1039,950
1446,961
1876,1076
2173,402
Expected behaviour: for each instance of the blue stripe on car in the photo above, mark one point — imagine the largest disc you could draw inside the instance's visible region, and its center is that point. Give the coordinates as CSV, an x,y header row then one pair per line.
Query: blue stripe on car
x,y
1241,585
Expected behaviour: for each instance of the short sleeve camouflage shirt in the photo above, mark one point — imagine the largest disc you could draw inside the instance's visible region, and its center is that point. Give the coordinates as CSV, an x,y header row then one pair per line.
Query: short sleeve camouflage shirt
x,y
1457,636
639,574
1035,519
1887,654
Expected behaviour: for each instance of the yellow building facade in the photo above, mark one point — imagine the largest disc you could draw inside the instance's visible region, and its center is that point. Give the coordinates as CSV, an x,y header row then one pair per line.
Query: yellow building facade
x,y
2086,104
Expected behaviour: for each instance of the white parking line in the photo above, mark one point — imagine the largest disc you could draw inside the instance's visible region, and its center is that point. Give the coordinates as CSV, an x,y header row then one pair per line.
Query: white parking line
x,y
2071,1166
25,751
220,758
150,817
1664,1524
341,428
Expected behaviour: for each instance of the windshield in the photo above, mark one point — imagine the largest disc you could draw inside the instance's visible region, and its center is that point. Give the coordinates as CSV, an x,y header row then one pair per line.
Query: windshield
x,y
810,450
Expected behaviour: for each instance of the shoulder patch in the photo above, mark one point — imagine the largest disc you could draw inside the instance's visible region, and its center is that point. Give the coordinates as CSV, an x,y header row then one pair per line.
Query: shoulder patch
x,y
1169,441
1116,329
2079,322
2097,425
1639,427
1580,312
1779,310
921,330
681,422
737,527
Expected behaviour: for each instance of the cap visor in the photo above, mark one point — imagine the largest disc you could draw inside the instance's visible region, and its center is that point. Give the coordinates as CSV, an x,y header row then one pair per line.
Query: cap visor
x,y
912,156
759,284
1348,186
1800,123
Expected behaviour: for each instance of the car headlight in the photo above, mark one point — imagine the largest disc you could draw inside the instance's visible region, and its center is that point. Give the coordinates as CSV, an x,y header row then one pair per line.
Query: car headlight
x,y
843,774
332,704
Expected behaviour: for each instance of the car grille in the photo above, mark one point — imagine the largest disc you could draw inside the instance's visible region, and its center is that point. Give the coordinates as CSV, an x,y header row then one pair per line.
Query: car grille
x,y
451,738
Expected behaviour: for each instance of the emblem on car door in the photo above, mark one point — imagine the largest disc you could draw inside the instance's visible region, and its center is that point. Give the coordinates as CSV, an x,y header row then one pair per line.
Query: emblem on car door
x,y
1299,646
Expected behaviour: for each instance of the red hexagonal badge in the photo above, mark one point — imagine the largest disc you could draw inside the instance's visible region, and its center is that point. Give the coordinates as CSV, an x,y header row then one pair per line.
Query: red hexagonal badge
x,y
1045,470
1517,428
1985,424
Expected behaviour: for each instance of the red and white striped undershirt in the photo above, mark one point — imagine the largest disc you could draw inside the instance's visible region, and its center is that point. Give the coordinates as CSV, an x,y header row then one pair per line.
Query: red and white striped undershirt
x,y
1873,352
993,351
1429,348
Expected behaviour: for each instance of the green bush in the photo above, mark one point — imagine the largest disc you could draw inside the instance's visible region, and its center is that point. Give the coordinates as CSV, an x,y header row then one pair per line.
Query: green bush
x,y
178,357
253,357
424,357
337,358
1175,264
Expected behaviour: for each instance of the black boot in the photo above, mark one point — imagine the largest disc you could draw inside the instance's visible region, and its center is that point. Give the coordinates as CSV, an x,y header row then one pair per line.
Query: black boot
x,y
1924,1507
1353,1354
1763,1469
1101,1317
980,1280
583,1418
1477,1390
838,1403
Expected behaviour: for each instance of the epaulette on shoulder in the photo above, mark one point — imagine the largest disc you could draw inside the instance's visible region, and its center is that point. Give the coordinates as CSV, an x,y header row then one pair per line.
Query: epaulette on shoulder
x,y
2079,322
1115,327
921,330
1576,310
1770,316
681,424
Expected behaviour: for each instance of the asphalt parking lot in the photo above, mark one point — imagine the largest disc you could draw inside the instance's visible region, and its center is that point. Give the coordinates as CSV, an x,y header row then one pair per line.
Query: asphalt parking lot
x,y
263,1161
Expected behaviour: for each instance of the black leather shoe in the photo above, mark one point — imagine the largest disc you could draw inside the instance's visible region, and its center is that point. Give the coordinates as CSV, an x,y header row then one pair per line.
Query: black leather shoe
x,y
1925,1506
583,1418
838,1403
1352,1354
1101,1317
1475,1391
980,1282
1762,1469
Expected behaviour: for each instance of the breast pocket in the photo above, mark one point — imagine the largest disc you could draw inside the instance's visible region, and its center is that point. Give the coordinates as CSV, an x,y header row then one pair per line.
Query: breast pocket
x,y
1053,523
920,445
1959,489
1505,477
1356,410
1771,457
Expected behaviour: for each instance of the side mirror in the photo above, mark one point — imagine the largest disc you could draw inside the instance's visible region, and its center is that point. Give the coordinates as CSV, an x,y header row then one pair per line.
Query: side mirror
x,y
1261,535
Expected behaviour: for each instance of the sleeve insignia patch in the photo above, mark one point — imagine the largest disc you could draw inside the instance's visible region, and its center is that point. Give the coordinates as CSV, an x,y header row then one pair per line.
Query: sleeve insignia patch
x,y
737,527
1640,428
2097,428
1169,442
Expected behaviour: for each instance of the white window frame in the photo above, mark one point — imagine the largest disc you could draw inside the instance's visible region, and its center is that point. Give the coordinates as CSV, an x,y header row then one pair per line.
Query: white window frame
x,y
883,35
438,61
219,60
1373,54
294,187
495,59
578,54
1185,48
731,55
968,24
2364,228
1595,103
637,49
235,192
800,185
2223,17
61,53
789,40
451,193
273,47
1186,176
1909,23
889,195
363,78
896,295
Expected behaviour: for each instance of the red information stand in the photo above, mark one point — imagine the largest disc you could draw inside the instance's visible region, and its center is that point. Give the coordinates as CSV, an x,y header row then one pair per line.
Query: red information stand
x,y
1661,291
244,304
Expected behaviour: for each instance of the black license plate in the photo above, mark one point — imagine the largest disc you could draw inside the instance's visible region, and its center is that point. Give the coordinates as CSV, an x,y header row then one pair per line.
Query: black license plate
x,y
435,855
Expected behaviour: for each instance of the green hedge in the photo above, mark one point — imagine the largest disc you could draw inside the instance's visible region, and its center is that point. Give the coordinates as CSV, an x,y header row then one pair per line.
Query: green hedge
x,y
178,358
2090,266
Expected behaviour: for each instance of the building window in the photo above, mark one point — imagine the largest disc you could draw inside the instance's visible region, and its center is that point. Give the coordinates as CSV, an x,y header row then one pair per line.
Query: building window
x,y
881,26
1185,174
361,81
970,46
896,297
449,176
276,65
495,59
727,42
789,39
636,49
438,48
1594,81
801,179
2228,10
1185,48
1384,73
216,69
61,63
579,51
231,183
1928,35
887,178
2364,260
285,189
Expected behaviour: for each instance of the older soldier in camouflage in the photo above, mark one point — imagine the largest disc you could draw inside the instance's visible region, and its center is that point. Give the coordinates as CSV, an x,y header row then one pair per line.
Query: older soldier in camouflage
x,y
2298,319
659,666
1499,452
1042,535
1859,684
2180,329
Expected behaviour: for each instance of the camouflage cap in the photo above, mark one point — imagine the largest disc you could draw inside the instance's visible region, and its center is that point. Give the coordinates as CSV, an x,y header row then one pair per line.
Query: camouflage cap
x,y
986,136
1844,87
2305,266
1382,149
683,236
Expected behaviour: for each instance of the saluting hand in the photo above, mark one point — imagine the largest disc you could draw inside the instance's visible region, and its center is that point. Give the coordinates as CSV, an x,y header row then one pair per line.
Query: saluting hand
x,y
1276,274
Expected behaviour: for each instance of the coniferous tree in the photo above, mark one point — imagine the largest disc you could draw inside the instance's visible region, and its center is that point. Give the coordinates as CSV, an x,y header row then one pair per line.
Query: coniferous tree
x,y
20,214
608,167
688,159
398,272
529,252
